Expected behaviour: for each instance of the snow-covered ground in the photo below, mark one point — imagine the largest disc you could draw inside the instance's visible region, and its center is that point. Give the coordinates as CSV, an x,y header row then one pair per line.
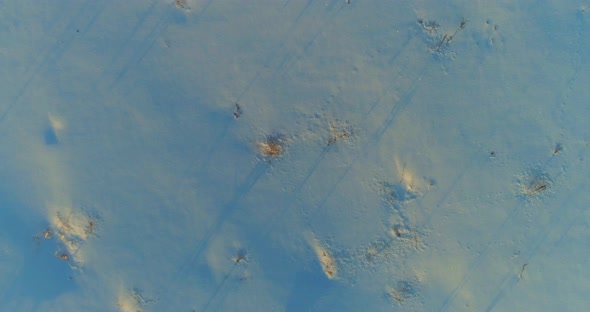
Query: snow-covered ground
x,y
294,155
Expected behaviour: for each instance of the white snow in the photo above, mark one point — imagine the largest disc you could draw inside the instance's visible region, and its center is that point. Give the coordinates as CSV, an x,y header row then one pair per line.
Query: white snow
x,y
382,155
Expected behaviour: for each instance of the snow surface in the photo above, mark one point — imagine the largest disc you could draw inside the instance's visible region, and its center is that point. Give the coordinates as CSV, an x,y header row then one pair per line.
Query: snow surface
x,y
387,155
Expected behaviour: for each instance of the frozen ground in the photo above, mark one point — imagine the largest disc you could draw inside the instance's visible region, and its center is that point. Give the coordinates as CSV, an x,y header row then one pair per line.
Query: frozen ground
x,y
388,155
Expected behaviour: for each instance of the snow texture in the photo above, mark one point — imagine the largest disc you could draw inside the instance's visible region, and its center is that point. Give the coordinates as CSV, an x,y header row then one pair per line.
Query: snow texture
x,y
294,155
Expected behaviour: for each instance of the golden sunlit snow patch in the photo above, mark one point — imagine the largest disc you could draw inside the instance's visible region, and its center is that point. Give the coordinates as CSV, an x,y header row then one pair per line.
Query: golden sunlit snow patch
x,y
71,225
72,229
133,300
327,262
53,129
410,180
128,303
56,123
